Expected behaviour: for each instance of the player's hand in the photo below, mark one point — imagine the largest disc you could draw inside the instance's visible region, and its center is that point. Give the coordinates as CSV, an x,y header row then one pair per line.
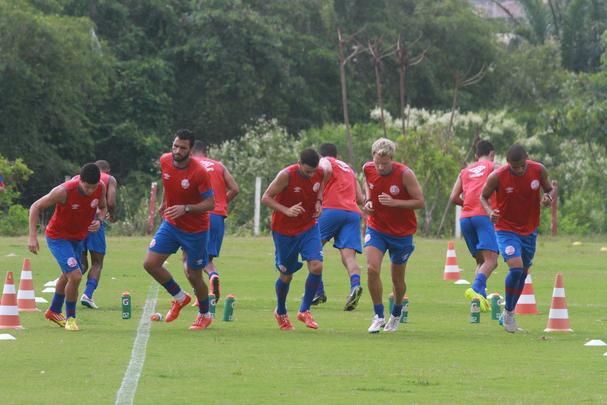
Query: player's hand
x,y
368,207
318,209
32,245
161,211
295,210
495,216
387,200
175,211
546,200
94,226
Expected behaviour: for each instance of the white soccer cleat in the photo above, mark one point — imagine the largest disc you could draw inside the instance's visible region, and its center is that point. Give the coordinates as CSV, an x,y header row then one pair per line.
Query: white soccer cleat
x,y
509,322
377,324
392,324
88,302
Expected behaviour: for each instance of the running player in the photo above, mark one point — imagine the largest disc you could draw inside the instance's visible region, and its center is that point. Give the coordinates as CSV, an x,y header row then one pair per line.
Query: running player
x,y
392,194
295,195
476,226
95,241
518,187
79,203
188,198
225,189
340,220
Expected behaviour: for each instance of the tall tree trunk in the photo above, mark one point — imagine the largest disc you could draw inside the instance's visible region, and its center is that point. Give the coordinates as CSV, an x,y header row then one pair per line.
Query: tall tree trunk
x,y
380,99
344,98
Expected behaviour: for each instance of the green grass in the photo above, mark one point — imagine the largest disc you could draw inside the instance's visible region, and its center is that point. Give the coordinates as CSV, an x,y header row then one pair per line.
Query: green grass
x,y
438,357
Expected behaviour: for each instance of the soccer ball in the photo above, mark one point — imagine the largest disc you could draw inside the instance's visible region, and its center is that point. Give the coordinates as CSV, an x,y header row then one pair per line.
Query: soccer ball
x,y
156,317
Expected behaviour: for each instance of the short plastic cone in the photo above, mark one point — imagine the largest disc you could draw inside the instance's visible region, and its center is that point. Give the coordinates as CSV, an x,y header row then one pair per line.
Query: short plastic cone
x,y
558,320
26,296
451,271
9,313
526,302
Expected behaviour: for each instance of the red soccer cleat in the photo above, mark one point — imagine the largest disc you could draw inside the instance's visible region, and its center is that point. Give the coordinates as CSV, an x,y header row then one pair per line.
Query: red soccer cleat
x,y
56,317
176,307
283,322
202,321
306,317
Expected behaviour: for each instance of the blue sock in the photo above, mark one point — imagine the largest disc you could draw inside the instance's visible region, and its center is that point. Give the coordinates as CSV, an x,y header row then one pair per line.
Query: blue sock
x,y
480,284
397,310
70,309
512,287
203,306
521,285
282,289
91,286
354,280
213,273
312,283
57,303
172,287
321,288
379,310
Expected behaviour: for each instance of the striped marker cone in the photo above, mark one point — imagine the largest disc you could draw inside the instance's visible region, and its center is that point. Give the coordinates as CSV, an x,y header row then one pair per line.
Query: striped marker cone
x,y
451,271
558,320
526,302
9,313
26,296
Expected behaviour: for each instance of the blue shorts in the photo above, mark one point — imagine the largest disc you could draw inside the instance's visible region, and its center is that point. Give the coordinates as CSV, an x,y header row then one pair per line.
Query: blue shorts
x,y
288,249
216,232
514,245
479,234
400,248
169,238
342,225
95,241
67,253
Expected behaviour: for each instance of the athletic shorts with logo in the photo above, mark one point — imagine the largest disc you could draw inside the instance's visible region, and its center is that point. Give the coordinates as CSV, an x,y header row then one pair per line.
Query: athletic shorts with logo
x,y
400,248
342,226
168,239
289,248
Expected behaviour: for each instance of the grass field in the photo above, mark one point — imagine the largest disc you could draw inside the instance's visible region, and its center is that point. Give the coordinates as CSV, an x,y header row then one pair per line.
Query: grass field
x,y
438,357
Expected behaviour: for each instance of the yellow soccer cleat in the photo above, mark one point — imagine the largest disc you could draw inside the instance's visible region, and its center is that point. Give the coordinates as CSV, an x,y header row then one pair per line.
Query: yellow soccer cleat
x,y
470,294
70,324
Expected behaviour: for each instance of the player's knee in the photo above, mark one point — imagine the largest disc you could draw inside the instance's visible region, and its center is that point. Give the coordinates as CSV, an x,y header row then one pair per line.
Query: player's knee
x,y
315,267
149,266
372,270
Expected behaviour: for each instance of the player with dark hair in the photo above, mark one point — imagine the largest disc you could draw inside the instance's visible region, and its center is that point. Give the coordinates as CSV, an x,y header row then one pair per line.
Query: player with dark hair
x,y
392,196
295,195
340,219
187,200
477,228
79,205
518,190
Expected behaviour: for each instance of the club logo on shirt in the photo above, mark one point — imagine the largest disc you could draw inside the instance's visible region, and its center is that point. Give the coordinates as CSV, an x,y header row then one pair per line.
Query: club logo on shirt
x,y
477,171
153,243
75,206
94,203
166,176
535,184
297,189
316,187
185,184
509,190
509,250
71,262
394,190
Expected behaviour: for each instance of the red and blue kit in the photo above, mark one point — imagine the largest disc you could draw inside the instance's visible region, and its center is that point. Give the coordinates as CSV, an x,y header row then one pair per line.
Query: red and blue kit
x,y
389,220
216,173
300,189
71,219
518,199
340,190
188,186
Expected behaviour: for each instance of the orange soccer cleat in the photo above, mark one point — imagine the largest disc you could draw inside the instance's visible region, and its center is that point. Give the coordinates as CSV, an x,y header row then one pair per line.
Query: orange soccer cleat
x,y
283,321
56,317
176,307
306,317
202,321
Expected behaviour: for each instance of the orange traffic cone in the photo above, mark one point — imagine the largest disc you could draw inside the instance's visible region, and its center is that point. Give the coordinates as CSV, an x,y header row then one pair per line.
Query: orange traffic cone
x,y
9,313
558,320
26,297
451,271
526,302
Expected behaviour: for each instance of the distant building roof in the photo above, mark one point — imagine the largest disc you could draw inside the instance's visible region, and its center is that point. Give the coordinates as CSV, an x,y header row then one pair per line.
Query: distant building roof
x,y
489,9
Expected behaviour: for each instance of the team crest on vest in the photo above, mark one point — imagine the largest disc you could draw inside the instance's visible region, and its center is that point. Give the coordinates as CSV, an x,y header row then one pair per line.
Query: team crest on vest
x,y
394,190
94,203
71,262
535,184
316,187
185,184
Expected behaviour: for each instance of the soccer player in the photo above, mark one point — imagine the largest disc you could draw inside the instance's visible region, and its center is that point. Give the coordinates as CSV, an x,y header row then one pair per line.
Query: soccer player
x,y
476,226
187,200
295,195
518,187
95,241
79,203
225,189
392,196
340,219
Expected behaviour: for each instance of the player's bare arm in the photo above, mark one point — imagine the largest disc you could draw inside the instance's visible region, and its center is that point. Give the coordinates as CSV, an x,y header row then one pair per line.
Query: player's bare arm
x,y
58,195
360,196
232,188
412,186
111,199
547,187
489,188
279,184
368,204
101,211
456,192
